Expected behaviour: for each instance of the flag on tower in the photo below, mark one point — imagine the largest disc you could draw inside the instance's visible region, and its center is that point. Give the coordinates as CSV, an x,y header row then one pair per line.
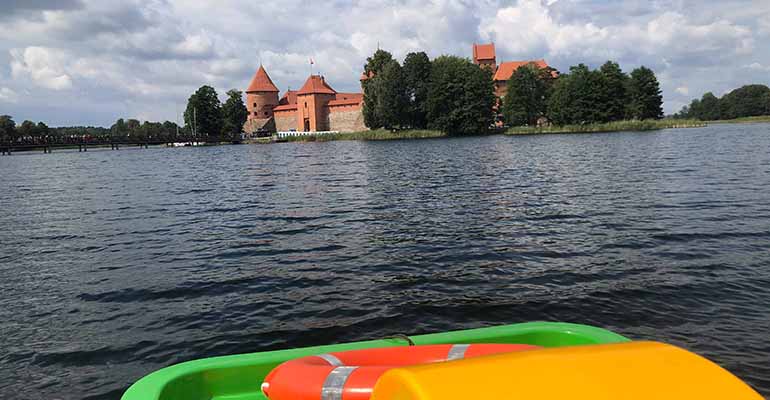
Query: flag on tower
x,y
312,61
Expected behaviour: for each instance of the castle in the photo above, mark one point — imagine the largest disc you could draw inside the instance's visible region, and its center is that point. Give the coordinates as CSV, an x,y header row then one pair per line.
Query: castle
x,y
316,106
485,57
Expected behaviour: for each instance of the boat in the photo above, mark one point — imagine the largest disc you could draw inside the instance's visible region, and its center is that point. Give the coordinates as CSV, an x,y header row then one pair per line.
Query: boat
x,y
240,377
583,348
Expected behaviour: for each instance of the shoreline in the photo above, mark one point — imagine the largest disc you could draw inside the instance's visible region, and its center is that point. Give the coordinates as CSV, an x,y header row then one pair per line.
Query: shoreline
x,y
763,119
610,127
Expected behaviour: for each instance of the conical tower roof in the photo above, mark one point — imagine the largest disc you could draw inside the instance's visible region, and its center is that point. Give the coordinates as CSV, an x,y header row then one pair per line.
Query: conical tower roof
x,y
261,82
316,84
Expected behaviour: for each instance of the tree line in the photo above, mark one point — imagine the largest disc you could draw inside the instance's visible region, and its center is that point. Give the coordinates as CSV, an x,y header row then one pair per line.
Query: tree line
x,y
746,101
29,132
582,96
453,95
449,93
206,118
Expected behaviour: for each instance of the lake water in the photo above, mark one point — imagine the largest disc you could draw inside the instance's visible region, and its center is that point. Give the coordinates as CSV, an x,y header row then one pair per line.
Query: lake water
x,y
116,263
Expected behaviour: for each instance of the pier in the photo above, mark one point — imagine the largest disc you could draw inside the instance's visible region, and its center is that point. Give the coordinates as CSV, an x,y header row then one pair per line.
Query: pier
x,y
83,145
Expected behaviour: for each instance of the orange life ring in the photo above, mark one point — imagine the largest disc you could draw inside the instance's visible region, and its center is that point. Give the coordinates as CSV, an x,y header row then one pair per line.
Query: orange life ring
x,y
351,375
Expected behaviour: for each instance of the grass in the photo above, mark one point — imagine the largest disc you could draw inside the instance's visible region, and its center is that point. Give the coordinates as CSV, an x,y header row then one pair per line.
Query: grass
x,y
744,120
619,126
378,134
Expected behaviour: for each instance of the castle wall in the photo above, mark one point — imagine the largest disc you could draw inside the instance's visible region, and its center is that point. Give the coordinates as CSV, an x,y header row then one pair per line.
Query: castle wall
x,y
253,124
346,119
285,120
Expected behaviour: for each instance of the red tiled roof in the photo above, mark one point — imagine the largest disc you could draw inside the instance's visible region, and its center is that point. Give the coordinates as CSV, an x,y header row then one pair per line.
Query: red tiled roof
x,y
349,96
345,102
484,51
261,82
285,107
506,69
315,84
290,97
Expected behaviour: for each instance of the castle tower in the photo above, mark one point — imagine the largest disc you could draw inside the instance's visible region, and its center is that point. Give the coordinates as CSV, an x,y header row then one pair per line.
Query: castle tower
x,y
484,56
312,101
261,98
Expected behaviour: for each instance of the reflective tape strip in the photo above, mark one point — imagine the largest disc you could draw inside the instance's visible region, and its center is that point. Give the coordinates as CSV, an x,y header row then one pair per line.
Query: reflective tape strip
x,y
332,360
335,383
457,352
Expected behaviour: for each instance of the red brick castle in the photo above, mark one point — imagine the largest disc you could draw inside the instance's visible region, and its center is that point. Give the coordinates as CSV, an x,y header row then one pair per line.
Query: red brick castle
x,y
316,106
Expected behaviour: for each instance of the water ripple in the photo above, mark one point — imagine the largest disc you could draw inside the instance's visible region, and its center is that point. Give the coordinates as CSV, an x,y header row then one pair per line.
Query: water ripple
x,y
115,264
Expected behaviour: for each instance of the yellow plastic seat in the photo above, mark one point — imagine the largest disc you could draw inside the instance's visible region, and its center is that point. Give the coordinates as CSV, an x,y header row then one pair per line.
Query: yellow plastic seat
x,y
627,371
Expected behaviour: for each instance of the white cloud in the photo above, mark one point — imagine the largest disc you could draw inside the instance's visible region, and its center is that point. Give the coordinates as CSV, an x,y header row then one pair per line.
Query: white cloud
x,y
136,56
196,45
7,95
758,67
45,66
531,29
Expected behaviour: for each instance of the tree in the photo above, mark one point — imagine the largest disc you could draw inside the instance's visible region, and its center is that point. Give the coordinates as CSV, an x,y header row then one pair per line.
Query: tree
x,y
525,101
766,102
460,96
416,72
372,69
377,62
204,112
132,127
746,101
27,129
645,99
119,129
234,113
7,128
42,129
170,130
580,97
392,107
616,82
709,108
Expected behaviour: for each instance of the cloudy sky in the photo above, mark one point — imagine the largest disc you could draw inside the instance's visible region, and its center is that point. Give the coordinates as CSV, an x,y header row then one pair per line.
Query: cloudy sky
x,y
92,61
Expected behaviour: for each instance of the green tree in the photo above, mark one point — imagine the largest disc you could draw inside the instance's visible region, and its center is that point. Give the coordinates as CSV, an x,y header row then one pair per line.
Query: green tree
x,y
460,96
170,130
580,97
204,112
766,101
416,76
525,101
119,129
377,62
746,101
234,113
709,108
7,128
132,127
42,129
372,69
392,107
27,129
616,83
645,99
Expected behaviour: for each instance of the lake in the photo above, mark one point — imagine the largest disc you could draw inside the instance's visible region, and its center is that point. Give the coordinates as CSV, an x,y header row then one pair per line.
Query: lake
x,y
116,263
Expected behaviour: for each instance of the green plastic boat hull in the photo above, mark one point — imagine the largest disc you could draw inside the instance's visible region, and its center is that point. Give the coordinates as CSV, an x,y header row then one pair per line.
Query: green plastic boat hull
x,y
239,377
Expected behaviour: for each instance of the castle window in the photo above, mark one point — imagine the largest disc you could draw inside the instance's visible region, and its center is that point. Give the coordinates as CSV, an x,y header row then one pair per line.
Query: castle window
x,y
255,113
255,105
266,113
305,104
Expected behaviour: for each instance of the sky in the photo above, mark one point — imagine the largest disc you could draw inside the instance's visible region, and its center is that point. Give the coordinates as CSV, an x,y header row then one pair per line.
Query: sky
x,y
90,62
